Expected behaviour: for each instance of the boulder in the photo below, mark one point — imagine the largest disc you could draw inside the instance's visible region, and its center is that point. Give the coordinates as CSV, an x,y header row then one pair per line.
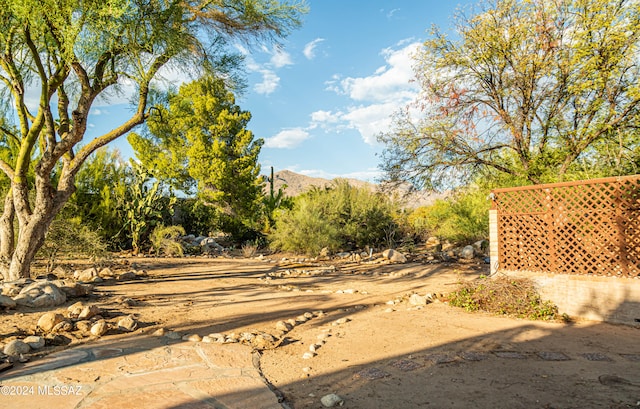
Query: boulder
x,y
49,320
75,309
394,256
88,275
416,300
127,323
106,273
73,289
16,347
63,326
89,311
99,328
24,300
34,341
467,253
129,275
7,302
331,400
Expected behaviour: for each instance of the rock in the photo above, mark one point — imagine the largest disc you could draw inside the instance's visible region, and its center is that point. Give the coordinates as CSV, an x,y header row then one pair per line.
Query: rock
x,y
159,332
34,342
75,309
86,275
173,335
207,339
73,289
467,253
283,326
394,256
263,341
62,326
308,355
340,321
24,300
416,299
127,323
192,338
83,326
49,320
129,275
99,328
16,347
7,302
106,273
331,400
58,340
89,311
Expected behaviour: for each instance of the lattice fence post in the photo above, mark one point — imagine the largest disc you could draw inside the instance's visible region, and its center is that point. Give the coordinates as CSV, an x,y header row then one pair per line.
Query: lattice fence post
x,y
493,240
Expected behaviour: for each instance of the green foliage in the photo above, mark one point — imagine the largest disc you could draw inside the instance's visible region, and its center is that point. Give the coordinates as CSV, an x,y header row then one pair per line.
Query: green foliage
x,y
274,201
71,237
142,205
164,239
339,217
100,193
197,217
503,296
304,229
199,138
118,200
73,54
540,91
462,218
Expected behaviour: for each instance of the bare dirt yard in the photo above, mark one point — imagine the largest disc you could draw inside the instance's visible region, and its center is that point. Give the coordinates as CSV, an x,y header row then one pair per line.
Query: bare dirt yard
x,y
354,330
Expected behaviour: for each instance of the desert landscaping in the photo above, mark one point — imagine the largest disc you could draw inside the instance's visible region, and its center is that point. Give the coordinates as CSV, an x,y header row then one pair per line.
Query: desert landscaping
x,y
375,334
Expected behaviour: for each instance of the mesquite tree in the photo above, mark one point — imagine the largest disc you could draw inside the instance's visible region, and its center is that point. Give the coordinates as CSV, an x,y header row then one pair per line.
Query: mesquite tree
x,y
532,90
70,53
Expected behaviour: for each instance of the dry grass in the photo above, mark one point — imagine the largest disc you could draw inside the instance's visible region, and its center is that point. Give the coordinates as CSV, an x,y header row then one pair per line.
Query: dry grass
x,y
505,296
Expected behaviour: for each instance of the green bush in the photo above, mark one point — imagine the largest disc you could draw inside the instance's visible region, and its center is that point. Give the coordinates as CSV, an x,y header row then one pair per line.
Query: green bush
x,y
304,229
70,237
164,239
462,218
342,216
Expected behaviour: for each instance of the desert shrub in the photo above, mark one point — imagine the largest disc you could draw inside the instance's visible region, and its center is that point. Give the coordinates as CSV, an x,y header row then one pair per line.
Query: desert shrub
x,y
164,239
342,216
304,229
505,296
68,236
462,218
196,217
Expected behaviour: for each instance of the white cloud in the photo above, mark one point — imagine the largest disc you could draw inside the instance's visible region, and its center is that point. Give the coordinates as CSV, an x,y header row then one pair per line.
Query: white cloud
x,y
370,120
391,82
280,58
310,48
270,81
287,138
325,117
367,175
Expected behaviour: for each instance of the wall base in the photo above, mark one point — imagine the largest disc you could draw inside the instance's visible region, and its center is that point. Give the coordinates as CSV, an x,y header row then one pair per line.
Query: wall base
x,y
609,299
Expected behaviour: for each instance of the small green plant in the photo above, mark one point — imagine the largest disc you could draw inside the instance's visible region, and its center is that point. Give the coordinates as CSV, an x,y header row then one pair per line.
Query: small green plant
x,y
249,249
164,239
505,296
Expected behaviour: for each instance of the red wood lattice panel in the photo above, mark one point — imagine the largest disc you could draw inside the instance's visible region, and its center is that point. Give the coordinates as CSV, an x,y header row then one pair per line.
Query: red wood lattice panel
x,y
585,227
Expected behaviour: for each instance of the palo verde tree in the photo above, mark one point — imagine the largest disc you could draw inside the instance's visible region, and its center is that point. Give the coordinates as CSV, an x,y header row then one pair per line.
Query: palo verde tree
x,y
70,53
532,90
199,138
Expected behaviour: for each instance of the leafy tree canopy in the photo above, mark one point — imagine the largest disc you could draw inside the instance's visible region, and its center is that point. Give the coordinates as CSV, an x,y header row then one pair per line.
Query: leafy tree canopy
x,y
66,54
537,90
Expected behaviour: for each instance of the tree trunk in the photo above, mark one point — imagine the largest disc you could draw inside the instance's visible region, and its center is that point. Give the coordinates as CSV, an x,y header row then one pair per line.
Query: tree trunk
x,y
7,235
30,239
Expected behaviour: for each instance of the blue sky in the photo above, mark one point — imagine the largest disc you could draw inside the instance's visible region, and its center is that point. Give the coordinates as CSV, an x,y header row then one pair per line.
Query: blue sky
x,y
319,100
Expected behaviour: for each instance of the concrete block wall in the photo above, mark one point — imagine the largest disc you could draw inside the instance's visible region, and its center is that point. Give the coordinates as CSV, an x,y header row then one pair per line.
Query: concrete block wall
x,y
597,298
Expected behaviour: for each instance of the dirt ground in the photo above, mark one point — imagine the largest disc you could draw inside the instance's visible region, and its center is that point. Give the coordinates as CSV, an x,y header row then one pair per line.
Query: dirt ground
x,y
374,348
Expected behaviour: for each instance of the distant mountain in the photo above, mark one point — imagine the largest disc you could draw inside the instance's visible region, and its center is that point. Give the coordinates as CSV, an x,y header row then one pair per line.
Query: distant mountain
x,y
297,184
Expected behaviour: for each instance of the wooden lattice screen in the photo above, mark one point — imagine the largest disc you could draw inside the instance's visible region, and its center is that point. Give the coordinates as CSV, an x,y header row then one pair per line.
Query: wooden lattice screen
x,y
585,227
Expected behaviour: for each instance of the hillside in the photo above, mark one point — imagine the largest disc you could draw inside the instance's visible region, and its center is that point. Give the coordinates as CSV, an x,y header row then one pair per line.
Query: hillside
x,y
297,184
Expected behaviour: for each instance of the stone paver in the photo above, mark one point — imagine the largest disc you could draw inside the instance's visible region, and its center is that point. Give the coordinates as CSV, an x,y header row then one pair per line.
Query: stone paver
x,y
147,373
